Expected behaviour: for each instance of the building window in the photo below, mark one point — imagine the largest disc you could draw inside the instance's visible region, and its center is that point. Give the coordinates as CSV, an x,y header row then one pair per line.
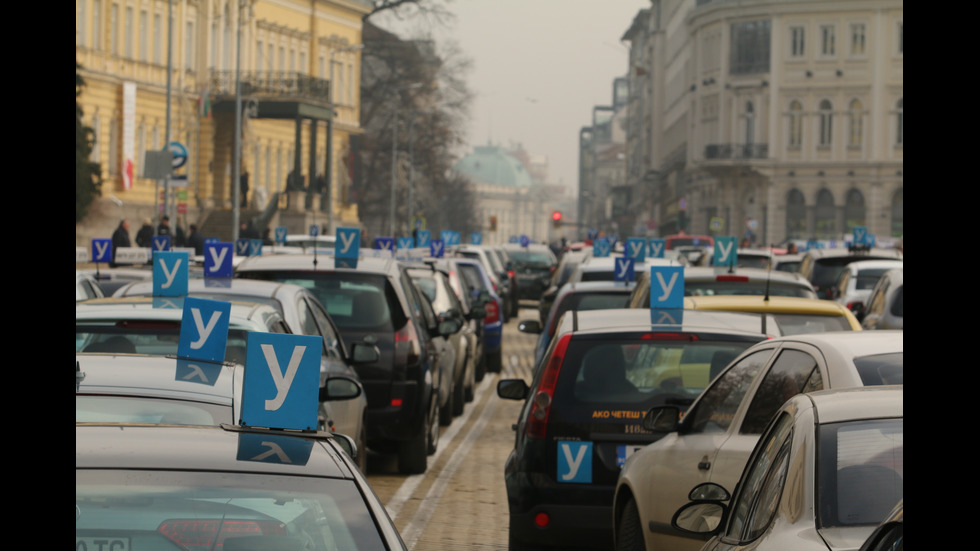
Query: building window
x,y
797,42
259,56
901,38
899,123
827,48
857,39
795,215
856,130
350,84
114,29
750,47
292,60
144,35
140,145
97,42
825,215
157,38
96,142
189,46
321,67
826,123
215,34
80,23
795,124
855,213
128,30
282,59
749,123
271,58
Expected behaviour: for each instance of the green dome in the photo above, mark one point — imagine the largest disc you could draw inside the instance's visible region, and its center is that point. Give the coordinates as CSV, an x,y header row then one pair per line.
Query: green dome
x,y
493,165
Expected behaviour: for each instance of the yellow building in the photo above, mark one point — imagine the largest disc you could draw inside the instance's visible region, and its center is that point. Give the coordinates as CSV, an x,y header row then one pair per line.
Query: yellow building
x,y
290,51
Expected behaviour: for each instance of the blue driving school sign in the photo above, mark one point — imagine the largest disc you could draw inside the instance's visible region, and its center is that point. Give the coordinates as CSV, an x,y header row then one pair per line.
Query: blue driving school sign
x,y
666,287
170,273
217,260
282,381
204,329
348,243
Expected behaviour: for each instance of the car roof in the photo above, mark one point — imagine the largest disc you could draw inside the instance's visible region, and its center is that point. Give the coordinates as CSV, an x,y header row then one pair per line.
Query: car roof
x,y
608,263
856,403
323,262
245,287
195,448
875,263
245,315
156,377
758,304
852,344
753,274
871,253
644,319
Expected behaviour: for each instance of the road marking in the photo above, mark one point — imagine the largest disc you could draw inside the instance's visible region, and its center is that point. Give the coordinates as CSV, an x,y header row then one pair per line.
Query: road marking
x,y
413,530
412,482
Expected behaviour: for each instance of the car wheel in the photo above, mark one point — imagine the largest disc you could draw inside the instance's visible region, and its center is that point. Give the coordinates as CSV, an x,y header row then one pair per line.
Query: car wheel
x,y
630,533
433,442
495,362
413,455
481,368
459,398
446,411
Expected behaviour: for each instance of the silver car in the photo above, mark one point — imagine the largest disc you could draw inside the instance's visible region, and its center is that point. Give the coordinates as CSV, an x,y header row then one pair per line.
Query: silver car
x,y
886,304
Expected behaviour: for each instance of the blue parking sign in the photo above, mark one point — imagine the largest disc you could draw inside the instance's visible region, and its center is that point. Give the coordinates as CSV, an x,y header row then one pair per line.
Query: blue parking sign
x,y
170,273
623,270
636,248
725,252
384,243
666,287
161,242
437,248
656,248
102,250
204,330
282,381
217,260
348,243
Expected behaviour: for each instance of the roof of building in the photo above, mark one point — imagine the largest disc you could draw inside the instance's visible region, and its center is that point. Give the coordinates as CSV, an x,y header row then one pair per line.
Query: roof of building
x,y
491,164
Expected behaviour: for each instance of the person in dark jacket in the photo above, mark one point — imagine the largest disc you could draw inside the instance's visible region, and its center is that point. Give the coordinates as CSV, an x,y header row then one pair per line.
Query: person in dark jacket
x,y
120,238
144,237
164,227
196,240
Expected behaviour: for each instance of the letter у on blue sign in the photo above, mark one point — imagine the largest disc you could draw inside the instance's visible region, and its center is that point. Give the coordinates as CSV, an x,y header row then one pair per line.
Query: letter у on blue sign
x,y
282,381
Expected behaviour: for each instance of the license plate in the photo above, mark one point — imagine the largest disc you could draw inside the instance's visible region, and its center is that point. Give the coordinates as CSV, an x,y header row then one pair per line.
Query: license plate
x,y
625,451
101,544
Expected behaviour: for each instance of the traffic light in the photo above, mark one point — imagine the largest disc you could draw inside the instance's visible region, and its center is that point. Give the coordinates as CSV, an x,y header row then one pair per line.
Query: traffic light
x,y
493,223
556,219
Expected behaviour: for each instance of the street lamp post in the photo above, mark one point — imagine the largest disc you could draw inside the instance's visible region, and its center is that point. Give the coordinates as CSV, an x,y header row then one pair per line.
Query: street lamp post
x,y
237,168
329,159
394,156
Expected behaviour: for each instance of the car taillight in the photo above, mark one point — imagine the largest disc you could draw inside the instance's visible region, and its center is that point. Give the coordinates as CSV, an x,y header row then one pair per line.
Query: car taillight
x,y
511,274
669,337
493,312
731,277
193,534
407,334
537,418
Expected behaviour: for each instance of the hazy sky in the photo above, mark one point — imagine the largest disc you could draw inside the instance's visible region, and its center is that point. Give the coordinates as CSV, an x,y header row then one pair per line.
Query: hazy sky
x,y
538,68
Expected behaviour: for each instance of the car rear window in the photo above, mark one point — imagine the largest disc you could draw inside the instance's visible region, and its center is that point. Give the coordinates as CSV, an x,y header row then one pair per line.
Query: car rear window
x,y
711,288
531,259
588,301
141,409
898,304
881,369
801,324
867,278
156,338
617,381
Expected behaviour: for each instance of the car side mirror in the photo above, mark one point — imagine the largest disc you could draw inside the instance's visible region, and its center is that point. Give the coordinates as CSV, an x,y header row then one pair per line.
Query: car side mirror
x,y
448,327
662,419
512,389
365,353
484,297
340,387
529,326
477,312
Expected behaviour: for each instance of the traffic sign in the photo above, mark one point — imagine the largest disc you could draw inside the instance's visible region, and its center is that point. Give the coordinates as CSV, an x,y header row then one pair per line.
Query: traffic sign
x,y
180,154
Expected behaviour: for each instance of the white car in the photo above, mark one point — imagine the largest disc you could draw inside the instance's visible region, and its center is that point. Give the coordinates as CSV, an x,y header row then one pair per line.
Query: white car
x,y
855,282
827,472
714,439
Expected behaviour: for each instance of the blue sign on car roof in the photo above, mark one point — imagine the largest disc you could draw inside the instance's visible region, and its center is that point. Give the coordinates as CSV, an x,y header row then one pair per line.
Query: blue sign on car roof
x,y
282,381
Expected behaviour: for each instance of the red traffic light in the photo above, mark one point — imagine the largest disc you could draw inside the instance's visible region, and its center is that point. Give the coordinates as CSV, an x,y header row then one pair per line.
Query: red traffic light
x,y
556,216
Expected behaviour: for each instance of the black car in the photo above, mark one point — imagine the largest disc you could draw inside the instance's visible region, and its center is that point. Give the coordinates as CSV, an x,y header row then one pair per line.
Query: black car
x,y
533,266
378,302
582,413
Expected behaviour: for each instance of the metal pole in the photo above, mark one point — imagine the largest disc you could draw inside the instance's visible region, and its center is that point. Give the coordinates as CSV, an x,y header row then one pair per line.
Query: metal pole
x,y
166,133
237,168
394,173
329,163
411,172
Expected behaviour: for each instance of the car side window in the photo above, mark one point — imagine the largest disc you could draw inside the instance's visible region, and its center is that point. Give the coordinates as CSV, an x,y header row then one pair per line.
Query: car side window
x,y
717,406
793,372
762,485
331,340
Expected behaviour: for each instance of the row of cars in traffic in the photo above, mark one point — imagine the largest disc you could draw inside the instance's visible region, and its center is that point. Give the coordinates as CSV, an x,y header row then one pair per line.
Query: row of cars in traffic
x,y
164,456
755,414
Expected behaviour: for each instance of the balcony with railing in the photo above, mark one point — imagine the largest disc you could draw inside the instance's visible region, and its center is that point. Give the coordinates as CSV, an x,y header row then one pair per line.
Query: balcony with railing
x,y
730,151
279,85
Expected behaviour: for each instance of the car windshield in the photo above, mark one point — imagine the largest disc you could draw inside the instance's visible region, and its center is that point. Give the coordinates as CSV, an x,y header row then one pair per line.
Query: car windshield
x,y
620,380
881,369
130,509
801,324
156,338
141,409
860,471
531,259
775,289
587,301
